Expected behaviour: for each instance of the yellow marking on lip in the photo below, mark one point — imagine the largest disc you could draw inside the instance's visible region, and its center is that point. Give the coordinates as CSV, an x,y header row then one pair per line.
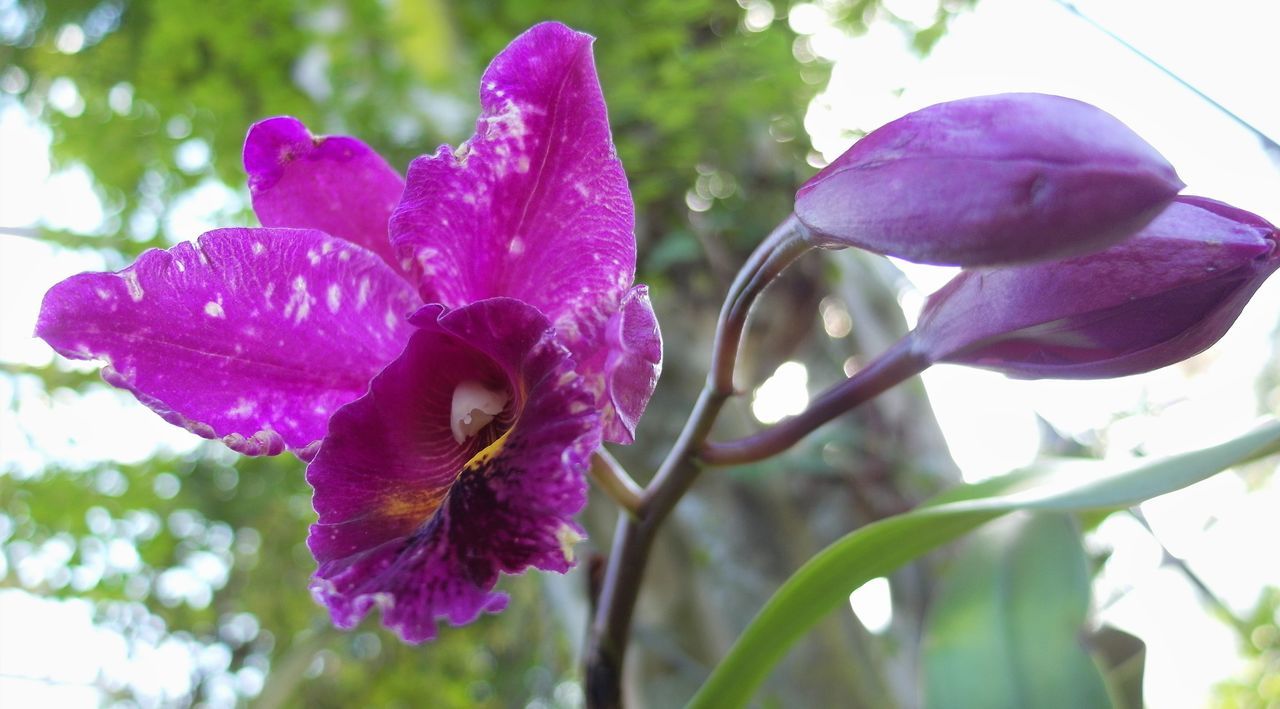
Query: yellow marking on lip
x,y
567,537
414,505
417,506
487,454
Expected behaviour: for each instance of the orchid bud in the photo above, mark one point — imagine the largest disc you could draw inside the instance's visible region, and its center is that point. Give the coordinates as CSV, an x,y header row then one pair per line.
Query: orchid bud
x,y
1160,297
990,180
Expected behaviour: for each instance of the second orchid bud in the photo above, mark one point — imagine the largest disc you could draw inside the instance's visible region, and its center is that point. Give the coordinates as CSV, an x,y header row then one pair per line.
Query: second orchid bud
x,y
990,180
1158,298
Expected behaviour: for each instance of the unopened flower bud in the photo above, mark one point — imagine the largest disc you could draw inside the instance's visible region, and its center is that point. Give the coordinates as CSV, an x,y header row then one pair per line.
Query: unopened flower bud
x,y
990,180
1157,298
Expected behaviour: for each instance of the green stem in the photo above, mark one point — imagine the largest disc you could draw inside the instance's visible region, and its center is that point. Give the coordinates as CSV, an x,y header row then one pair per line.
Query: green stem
x,y
612,479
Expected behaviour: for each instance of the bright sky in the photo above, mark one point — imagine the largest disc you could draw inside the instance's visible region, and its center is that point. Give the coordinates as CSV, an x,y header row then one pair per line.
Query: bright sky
x,y
1005,45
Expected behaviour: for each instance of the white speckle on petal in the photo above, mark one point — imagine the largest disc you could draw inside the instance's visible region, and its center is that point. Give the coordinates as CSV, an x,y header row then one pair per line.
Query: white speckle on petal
x,y
313,257
135,288
258,248
362,292
510,122
214,310
333,297
522,164
178,264
424,258
391,319
299,305
326,247
243,408
516,247
103,293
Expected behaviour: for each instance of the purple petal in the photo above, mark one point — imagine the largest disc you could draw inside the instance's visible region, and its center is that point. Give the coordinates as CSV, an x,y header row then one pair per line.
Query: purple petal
x,y
626,367
535,206
252,335
335,184
420,525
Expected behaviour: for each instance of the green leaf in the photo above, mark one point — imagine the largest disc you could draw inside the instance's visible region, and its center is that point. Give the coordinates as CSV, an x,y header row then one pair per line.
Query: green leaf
x,y
825,582
1005,630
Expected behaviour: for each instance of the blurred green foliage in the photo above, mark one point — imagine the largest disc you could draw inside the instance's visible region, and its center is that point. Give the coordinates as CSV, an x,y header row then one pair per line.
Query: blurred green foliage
x,y
1258,687
213,554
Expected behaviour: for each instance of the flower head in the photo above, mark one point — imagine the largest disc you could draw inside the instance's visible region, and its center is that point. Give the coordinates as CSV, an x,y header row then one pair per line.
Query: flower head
x,y
467,456
989,180
1160,297
459,374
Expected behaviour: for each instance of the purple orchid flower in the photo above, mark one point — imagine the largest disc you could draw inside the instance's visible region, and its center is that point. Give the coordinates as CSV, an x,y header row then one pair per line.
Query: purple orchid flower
x,y
466,459
456,434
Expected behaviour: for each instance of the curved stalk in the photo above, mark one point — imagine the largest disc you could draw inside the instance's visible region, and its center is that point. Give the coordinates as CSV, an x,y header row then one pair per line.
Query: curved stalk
x,y
612,479
895,365
611,626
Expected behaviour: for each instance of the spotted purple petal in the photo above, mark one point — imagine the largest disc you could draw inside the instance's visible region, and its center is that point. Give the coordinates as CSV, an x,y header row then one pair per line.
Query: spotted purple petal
x,y
420,524
332,183
252,335
535,206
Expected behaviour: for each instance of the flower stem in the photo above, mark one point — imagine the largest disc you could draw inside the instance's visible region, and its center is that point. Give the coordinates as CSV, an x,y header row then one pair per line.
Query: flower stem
x,y
899,362
609,475
611,627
